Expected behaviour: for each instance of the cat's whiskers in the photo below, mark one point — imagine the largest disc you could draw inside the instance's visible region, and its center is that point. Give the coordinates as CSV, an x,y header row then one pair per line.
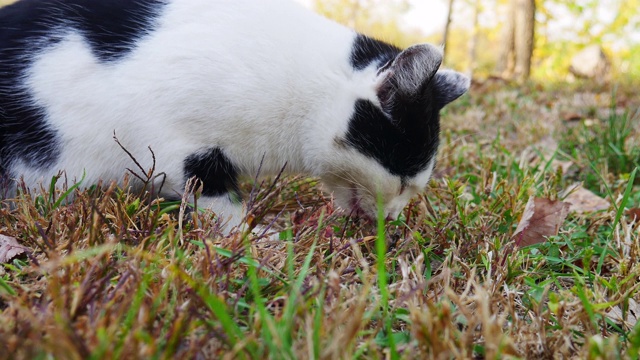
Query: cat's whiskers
x,y
349,178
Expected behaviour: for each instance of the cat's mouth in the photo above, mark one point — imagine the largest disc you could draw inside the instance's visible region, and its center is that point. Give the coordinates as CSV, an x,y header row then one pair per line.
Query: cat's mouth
x,y
356,208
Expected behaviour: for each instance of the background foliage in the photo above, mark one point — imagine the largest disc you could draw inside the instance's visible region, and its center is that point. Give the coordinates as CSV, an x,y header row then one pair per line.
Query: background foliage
x,y
563,27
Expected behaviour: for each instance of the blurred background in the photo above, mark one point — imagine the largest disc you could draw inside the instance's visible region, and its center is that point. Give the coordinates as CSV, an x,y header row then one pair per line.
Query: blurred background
x,y
546,41
542,40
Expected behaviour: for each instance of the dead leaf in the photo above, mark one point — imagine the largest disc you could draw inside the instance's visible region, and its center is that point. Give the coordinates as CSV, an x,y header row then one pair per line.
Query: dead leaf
x,y
541,218
584,201
633,313
634,214
9,249
572,117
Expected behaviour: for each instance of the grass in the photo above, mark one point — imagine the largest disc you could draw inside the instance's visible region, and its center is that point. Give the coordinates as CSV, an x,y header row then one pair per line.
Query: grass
x,y
110,275
606,145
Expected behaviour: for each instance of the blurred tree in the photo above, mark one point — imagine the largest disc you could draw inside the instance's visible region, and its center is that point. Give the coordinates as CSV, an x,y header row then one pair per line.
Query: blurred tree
x,y
613,24
524,36
447,26
596,20
473,44
506,57
517,43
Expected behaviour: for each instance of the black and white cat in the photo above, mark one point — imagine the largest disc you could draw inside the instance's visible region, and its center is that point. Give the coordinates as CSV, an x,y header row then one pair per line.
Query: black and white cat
x,y
216,88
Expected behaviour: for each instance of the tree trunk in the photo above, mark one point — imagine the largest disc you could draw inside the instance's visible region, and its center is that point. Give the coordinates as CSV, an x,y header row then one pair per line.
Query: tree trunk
x,y
505,63
524,37
517,40
447,25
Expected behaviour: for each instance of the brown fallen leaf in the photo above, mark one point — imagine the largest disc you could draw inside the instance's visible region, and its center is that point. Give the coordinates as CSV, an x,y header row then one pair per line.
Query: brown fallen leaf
x,y
9,249
634,214
541,218
572,117
584,201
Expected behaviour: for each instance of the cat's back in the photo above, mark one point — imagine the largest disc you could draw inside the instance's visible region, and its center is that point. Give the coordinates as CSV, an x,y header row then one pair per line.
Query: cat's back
x,y
73,71
224,37
113,27
28,29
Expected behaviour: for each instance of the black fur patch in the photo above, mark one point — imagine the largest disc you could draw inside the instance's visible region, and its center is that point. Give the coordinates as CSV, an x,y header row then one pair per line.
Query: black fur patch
x,y
110,27
366,50
4,184
403,144
218,175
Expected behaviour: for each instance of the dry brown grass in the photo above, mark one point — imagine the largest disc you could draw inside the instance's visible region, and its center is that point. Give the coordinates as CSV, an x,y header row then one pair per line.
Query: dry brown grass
x,y
109,275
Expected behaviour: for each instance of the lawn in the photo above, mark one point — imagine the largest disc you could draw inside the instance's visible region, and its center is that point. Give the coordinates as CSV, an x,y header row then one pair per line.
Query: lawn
x,y
489,262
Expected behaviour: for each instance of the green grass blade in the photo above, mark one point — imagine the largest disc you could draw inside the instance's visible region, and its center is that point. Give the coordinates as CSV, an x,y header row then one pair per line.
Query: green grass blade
x,y
290,309
381,253
245,260
625,200
6,289
218,307
127,324
269,330
66,194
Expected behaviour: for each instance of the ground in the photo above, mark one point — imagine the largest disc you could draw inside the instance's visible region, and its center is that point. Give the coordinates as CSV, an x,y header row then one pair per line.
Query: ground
x,y
487,263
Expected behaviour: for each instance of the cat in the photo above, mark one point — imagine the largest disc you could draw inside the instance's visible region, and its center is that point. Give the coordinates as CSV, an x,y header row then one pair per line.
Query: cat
x,y
218,89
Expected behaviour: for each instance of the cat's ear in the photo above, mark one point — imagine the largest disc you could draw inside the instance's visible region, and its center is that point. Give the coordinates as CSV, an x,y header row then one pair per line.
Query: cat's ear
x,y
448,85
413,77
405,77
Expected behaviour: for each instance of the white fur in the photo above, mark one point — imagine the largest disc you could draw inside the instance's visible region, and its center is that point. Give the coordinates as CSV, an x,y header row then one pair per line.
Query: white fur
x,y
277,86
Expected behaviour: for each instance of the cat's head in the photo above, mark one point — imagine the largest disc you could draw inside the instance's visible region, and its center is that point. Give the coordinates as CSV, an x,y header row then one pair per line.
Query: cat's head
x,y
389,149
